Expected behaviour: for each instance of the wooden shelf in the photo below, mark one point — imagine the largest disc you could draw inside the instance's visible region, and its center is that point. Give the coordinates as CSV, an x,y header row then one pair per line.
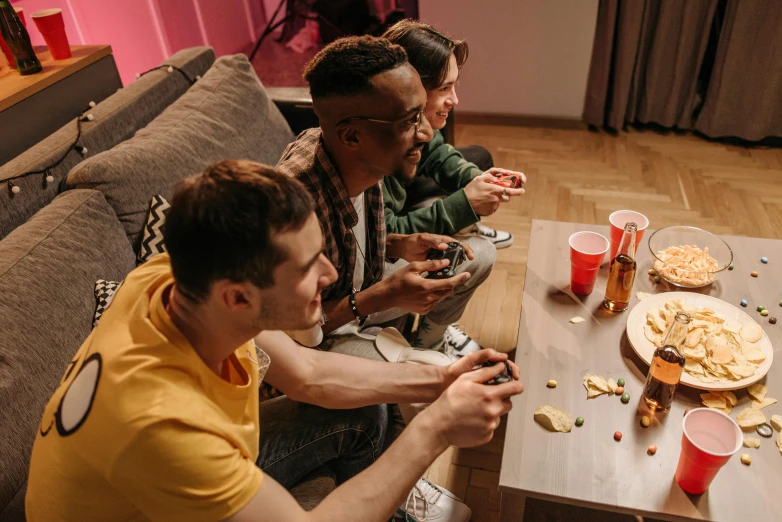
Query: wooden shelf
x,y
15,87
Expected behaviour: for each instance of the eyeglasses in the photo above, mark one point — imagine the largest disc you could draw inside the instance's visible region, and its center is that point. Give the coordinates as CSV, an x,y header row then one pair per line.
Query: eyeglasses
x,y
415,122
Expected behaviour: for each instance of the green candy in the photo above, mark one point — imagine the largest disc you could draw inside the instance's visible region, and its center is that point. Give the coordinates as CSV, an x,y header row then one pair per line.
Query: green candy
x,y
657,279
620,382
625,397
761,308
579,421
730,266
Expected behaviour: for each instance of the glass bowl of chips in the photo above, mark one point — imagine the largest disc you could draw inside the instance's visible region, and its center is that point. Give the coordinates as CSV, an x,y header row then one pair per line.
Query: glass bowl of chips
x,y
689,257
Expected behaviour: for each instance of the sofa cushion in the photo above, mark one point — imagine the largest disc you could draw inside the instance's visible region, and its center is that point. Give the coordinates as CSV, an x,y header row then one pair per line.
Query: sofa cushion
x,y
116,119
225,115
152,241
48,269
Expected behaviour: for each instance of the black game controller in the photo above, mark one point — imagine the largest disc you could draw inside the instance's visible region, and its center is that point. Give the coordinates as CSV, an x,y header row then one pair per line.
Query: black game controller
x,y
504,376
454,253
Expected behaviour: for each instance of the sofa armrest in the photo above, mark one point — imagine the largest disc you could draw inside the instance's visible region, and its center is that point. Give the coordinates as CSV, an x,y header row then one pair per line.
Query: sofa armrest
x,y
295,104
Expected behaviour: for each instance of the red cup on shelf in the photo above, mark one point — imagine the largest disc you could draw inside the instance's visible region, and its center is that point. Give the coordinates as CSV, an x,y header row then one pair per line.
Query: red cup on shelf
x,y
20,14
587,250
710,438
618,220
51,25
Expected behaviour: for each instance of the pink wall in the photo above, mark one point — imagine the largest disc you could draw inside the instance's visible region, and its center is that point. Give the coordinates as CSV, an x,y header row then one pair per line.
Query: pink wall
x,y
143,33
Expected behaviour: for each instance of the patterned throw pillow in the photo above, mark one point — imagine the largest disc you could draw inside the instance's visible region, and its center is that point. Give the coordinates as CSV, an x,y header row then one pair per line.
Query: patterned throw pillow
x,y
104,294
152,242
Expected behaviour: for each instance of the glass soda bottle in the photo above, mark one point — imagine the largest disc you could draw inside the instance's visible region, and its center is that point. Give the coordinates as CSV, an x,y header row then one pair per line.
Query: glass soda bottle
x,y
15,35
621,272
667,365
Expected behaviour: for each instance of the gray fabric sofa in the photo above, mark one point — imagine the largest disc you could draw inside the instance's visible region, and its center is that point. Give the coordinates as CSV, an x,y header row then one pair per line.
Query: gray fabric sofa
x,y
57,239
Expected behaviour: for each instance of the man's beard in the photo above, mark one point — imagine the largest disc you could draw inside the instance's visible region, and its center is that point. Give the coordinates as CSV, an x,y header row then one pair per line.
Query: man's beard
x,y
401,177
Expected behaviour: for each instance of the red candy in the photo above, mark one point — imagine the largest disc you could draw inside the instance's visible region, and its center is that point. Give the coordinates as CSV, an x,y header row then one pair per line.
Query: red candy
x,y
618,435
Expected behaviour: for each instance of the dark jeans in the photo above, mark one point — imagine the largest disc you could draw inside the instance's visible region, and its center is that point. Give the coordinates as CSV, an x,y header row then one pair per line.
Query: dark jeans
x,y
298,438
423,188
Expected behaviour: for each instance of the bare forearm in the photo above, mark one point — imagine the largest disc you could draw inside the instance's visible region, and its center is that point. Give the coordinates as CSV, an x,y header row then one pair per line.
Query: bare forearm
x,y
374,494
368,302
342,381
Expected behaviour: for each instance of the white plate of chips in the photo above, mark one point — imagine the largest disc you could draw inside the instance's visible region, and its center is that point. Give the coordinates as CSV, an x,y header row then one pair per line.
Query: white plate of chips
x,y
725,349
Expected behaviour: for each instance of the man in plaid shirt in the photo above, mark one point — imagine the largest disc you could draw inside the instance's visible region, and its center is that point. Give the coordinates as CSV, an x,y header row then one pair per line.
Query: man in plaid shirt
x,y
370,103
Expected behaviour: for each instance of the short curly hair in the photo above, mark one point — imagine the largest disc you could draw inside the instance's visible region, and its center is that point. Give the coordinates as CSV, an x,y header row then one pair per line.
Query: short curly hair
x,y
345,66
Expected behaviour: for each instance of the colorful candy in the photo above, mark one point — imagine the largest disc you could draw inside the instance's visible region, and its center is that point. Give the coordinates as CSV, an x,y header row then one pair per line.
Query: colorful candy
x,y
579,421
754,273
645,421
617,435
744,302
652,449
625,397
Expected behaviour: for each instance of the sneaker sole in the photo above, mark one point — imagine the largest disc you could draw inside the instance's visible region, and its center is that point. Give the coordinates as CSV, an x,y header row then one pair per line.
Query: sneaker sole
x,y
501,244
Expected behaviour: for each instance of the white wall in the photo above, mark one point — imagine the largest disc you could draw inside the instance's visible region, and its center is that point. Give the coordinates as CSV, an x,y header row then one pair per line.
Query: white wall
x,y
527,57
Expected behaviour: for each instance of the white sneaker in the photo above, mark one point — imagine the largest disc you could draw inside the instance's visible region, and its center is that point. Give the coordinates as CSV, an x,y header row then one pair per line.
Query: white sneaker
x,y
500,238
428,502
458,343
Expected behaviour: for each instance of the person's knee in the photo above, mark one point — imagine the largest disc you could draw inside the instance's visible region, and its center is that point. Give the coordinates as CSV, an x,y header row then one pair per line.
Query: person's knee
x,y
374,422
485,256
478,155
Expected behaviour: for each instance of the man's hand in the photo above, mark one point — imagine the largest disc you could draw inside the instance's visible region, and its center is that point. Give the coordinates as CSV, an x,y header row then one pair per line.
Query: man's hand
x,y
468,411
406,289
485,197
473,359
414,247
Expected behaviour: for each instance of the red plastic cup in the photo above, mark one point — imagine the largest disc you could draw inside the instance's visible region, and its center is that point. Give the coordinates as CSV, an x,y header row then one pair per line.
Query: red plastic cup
x,y
618,221
710,438
587,250
51,25
6,50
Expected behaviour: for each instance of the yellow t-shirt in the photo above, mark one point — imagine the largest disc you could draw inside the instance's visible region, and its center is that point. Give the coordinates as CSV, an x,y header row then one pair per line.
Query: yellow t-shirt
x,y
140,428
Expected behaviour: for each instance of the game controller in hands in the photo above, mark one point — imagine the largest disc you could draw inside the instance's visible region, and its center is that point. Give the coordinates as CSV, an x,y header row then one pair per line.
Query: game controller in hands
x,y
508,180
504,376
454,253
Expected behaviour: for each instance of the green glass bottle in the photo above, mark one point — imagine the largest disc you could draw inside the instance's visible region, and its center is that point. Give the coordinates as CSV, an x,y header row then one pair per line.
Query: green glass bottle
x,y
17,39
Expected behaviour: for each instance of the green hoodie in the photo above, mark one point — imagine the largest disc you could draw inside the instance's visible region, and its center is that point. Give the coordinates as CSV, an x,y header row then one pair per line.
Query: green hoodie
x,y
448,168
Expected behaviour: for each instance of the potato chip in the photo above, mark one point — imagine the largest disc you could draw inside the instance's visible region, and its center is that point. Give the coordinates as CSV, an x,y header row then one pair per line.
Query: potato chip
x,y
751,332
750,417
776,422
612,385
554,419
779,442
686,264
642,295
731,397
577,319
714,349
757,391
751,442
767,401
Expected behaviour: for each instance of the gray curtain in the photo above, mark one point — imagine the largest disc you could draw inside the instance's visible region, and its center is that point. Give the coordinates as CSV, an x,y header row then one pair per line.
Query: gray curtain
x,y
744,96
647,63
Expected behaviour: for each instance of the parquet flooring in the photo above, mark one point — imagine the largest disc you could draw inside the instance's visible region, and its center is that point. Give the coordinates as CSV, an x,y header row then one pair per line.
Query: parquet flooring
x,y
583,176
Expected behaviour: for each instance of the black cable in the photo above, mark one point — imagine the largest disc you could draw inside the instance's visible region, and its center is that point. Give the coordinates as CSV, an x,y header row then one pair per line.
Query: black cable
x,y
270,28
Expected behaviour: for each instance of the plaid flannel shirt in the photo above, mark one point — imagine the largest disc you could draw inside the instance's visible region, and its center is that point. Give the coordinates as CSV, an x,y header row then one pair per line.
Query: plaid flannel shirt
x,y
306,159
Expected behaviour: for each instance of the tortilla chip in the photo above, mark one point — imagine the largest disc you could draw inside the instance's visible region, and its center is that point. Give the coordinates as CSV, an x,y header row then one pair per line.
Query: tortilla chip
x,y
750,417
554,419
767,401
757,391
751,442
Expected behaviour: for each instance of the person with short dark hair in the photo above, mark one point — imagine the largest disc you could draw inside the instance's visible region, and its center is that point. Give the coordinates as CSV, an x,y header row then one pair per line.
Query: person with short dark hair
x,y
158,418
453,188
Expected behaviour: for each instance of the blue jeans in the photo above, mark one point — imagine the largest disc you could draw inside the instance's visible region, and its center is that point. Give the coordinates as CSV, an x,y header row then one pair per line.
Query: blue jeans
x,y
297,438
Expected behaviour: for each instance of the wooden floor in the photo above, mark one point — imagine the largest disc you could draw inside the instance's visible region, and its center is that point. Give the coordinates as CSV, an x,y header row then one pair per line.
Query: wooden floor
x,y
582,176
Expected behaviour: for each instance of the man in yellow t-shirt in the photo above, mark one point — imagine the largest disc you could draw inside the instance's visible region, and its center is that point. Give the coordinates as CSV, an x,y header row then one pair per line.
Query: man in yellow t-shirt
x,y
157,416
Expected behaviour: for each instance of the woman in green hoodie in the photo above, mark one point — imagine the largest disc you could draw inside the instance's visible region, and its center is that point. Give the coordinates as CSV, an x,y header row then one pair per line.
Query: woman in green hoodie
x,y
463,190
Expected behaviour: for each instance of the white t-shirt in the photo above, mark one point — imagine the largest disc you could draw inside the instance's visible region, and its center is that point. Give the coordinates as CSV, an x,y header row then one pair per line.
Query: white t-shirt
x,y
360,231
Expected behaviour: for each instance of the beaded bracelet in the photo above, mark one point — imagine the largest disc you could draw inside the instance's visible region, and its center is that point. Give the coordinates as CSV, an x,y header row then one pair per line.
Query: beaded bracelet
x,y
352,302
